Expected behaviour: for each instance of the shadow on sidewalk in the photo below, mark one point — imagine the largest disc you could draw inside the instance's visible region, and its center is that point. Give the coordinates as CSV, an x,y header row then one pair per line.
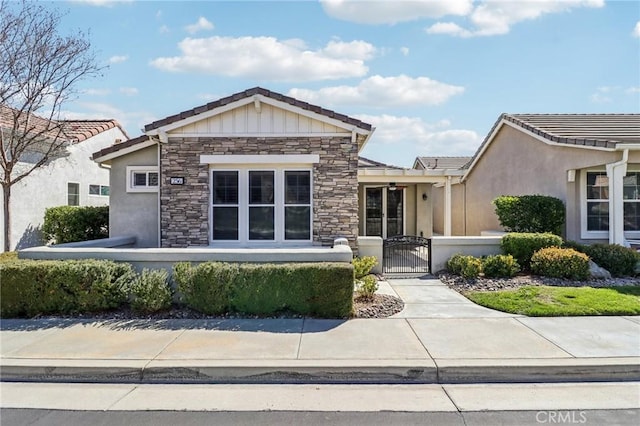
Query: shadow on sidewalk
x,y
269,325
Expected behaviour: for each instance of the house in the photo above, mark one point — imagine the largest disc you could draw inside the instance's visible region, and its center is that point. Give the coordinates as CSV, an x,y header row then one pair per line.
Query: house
x,y
261,169
72,180
589,161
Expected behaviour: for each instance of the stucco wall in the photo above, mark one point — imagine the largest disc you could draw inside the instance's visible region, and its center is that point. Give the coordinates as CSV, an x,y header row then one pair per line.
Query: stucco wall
x,y
458,212
518,164
185,209
133,213
47,187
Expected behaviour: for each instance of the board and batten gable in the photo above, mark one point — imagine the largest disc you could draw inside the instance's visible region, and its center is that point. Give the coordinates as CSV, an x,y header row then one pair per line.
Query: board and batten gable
x,y
516,163
133,213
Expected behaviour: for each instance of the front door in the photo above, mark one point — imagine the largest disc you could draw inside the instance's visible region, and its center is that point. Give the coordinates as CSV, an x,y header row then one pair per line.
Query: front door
x,y
384,211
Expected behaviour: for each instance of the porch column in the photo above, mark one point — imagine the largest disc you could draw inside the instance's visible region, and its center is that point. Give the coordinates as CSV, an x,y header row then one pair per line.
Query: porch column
x,y
616,173
447,207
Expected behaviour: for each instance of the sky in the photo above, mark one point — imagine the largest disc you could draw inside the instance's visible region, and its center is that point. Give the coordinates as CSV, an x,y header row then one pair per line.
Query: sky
x,y
431,76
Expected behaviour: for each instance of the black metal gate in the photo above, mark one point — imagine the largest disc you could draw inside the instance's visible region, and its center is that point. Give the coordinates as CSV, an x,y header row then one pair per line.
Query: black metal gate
x,y
406,254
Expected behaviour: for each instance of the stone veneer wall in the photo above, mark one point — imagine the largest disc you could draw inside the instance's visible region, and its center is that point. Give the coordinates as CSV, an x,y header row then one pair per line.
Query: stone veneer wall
x,y
184,210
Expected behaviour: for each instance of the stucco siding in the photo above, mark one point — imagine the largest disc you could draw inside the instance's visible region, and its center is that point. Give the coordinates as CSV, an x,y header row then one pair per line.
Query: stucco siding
x,y
47,187
133,213
518,164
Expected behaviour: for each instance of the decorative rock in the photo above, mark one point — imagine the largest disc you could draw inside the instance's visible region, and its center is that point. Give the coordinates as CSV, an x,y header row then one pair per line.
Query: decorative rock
x,y
598,272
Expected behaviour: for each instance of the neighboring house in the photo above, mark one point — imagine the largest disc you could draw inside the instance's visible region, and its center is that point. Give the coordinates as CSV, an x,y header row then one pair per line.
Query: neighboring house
x,y
589,161
70,180
260,169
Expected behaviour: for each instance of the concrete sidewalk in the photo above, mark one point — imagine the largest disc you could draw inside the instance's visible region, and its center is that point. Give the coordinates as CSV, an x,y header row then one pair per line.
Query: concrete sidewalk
x,y
440,337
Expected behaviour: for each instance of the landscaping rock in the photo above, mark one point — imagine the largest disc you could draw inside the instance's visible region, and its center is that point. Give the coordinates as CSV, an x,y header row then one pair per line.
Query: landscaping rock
x,y
598,272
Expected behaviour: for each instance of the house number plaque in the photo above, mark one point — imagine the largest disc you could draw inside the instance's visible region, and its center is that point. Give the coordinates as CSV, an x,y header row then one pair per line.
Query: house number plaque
x,y
176,181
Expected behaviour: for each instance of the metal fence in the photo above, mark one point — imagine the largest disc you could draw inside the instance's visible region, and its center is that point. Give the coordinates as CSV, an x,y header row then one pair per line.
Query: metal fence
x,y
406,254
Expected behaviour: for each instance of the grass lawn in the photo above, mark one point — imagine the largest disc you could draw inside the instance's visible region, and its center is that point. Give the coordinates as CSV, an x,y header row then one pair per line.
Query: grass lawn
x,y
545,301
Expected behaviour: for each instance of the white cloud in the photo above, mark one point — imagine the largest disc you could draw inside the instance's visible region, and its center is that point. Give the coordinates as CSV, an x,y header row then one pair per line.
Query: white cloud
x,y
163,29
118,59
424,138
202,24
128,91
636,30
96,92
404,51
392,12
382,92
632,90
267,58
101,3
495,17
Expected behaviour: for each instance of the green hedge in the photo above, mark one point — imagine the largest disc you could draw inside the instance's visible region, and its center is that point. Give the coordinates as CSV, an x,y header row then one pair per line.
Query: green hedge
x,y
530,213
30,288
560,263
317,289
67,224
522,245
618,260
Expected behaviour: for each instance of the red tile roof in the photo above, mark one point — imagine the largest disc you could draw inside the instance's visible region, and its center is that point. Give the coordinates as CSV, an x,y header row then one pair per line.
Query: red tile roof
x,y
258,91
75,131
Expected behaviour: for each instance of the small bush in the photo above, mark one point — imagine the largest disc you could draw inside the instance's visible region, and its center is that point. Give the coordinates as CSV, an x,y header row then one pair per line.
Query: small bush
x,y
560,263
500,266
466,266
150,292
530,213
33,287
362,266
582,248
618,260
67,224
320,289
367,286
522,245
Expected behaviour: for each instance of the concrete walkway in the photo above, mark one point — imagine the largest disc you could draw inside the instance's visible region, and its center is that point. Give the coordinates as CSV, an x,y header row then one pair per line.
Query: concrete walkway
x,y
440,337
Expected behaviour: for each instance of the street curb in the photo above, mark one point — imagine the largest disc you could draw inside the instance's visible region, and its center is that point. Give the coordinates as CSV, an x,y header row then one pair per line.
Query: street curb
x,y
323,371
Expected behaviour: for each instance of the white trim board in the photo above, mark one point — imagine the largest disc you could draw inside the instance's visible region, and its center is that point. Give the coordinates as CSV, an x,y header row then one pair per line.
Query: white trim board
x,y
260,159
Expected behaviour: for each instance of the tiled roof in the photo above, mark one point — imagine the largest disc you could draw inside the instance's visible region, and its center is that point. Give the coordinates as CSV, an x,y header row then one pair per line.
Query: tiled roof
x,y
443,163
120,146
365,163
257,91
75,131
597,130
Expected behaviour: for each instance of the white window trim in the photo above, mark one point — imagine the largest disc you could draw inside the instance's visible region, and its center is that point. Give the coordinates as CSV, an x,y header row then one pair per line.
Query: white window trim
x,y
597,235
100,186
137,169
243,205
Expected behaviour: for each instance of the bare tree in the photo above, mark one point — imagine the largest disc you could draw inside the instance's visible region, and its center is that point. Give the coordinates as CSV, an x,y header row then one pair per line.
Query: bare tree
x,y
39,71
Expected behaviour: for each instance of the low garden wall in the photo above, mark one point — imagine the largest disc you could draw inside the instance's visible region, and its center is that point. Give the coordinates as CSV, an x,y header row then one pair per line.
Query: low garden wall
x,y
119,250
442,248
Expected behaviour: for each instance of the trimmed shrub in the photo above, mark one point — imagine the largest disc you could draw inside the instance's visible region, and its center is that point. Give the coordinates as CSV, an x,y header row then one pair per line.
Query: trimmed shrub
x,y
618,260
560,263
33,287
150,292
467,266
362,266
500,266
522,245
67,224
582,248
530,213
319,289
367,286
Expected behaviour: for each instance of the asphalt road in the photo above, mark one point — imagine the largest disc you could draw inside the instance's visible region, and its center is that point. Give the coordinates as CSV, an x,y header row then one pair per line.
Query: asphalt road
x,y
30,417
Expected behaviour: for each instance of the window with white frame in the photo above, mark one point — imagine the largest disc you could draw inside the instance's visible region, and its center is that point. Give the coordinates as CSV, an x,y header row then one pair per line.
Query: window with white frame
x,y
99,190
261,205
142,179
73,194
597,201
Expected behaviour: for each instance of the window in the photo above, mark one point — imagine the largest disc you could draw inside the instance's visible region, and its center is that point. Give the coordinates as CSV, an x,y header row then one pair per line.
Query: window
x,y
100,190
73,194
261,205
597,202
142,179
